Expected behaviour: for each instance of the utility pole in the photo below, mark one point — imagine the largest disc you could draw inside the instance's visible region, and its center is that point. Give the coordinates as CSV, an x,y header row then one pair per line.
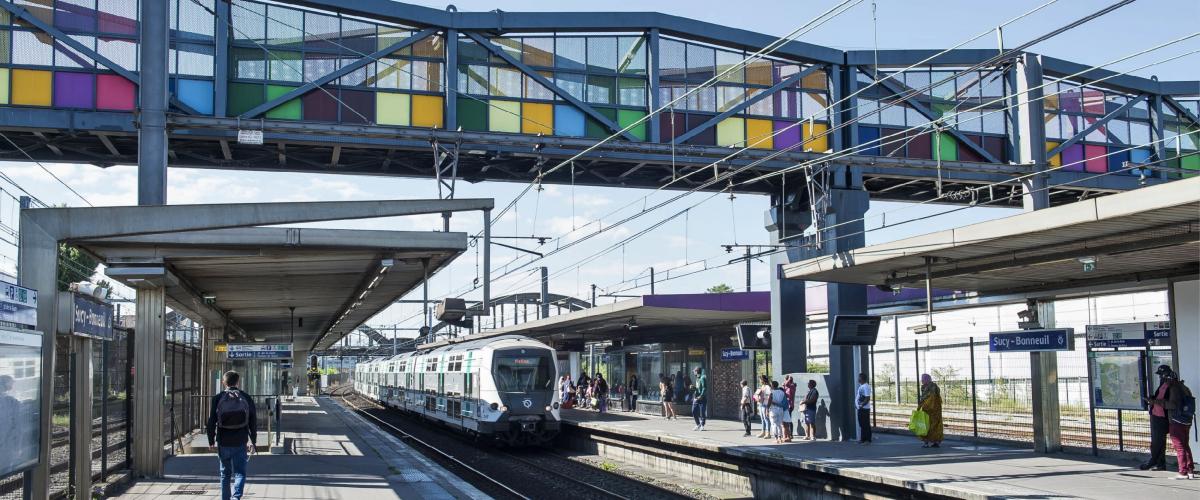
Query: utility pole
x,y
748,260
651,281
593,295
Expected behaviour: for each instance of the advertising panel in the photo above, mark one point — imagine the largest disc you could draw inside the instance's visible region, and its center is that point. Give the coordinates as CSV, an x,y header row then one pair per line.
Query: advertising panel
x,y
20,398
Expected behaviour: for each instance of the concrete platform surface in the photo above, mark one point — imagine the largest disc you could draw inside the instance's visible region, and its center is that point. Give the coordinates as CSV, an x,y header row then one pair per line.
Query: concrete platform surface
x,y
958,468
330,453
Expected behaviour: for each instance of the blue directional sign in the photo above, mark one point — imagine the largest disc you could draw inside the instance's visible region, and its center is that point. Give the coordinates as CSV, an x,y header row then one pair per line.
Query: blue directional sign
x,y
91,318
734,354
1154,333
1056,339
259,351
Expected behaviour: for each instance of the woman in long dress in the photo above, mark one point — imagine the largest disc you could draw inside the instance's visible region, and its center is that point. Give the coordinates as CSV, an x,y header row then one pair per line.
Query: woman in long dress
x,y
931,404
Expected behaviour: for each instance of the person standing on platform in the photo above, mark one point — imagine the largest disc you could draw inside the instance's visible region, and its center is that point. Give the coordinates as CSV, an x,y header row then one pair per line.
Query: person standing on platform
x,y
631,393
789,388
232,428
1159,423
668,397
601,393
862,402
809,408
763,397
747,406
1180,406
700,401
930,402
777,404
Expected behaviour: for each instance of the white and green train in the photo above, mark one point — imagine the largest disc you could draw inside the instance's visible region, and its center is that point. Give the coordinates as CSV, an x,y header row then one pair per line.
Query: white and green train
x,y
502,388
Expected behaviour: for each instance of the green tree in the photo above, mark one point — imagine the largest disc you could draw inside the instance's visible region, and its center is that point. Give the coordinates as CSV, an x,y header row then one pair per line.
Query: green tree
x,y
721,288
74,265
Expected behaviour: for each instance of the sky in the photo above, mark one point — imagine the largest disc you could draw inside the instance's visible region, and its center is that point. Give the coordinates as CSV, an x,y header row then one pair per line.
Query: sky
x,y
692,241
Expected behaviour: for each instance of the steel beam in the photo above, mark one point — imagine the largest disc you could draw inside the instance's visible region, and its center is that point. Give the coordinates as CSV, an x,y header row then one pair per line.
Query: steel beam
x,y
898,88
343,71
711,122
450,93
1030,134
221,59
1157,132
1095,125
653,68
566,96
153,97
1187,113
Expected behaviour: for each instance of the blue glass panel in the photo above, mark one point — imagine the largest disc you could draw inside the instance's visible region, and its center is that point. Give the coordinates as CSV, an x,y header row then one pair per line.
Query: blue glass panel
x,y
196,93
865,136
568,121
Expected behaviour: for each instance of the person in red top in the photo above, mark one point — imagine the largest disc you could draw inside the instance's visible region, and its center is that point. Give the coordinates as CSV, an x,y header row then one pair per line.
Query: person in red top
x,y
1159,424
789,389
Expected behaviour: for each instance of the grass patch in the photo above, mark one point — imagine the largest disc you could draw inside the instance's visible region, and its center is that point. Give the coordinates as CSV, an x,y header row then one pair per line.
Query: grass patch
x,y
608,466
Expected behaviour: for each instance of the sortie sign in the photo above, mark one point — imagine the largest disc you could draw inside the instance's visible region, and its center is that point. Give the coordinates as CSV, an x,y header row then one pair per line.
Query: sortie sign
x,y
1051,339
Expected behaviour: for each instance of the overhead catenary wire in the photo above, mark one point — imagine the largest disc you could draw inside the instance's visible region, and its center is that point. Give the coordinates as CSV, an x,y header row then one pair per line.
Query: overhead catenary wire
x,y
43,167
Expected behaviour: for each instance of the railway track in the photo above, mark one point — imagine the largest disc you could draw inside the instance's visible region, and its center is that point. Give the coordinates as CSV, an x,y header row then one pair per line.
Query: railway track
x,y
1133,440
532,473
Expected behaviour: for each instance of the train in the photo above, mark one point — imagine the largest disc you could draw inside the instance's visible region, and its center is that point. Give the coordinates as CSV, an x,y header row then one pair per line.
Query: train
x,y
502,388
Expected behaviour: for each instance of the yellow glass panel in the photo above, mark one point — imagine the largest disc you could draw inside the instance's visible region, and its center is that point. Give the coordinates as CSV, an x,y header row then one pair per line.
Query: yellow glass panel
x,y
731,132
427,111
1056,160
758,133
393,109
815,138
537,118
3,85
504,116
31,87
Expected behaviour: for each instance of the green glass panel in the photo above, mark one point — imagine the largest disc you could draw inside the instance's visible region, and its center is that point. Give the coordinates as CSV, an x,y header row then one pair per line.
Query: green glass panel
x,y
947,145
1190,162
243,97
472,114
626,117
595,129
287,111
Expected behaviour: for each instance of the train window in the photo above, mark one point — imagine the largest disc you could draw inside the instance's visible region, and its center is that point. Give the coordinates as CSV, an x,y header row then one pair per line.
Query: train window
x,y
516,372
455,363
431,364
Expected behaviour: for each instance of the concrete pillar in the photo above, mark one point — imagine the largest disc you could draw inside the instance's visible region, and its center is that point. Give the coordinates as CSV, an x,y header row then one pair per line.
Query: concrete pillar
x,y
37,262
544,310
81,410
1184,297
848,205
1043,370
299,370
149,343
153,92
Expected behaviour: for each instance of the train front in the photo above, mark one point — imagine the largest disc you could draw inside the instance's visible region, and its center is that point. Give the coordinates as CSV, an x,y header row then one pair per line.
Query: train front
x,y
527,410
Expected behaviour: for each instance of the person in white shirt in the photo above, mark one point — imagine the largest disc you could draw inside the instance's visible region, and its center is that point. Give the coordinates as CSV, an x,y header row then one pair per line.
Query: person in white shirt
x,y
862,402
747,405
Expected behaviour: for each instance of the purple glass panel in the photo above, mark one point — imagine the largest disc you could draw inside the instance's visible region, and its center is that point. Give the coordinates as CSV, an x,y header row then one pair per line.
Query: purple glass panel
x,y
124,23
1072,158
967,154
320,106
920,145
74,90
789,137
71,17
707,137
358,107
1071,101
890,143
665,125
995,146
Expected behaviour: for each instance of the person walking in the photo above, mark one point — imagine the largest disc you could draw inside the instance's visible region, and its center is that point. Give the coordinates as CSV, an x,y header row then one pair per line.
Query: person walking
x,y
668,397
631,393
747,406
778,408
601,393
930,402
809,409
789,388
862,402
762,396
1160,424
1179,420
232,428
700,401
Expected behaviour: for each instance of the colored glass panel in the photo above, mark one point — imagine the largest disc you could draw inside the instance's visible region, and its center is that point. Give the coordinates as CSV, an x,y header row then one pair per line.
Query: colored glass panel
x,y
594,129
891,141
1072,158
320,106
1056,160
287,111
731,132
357,106
920,145
428,111
869,138
967,154
1116,162
114,92
118,16
75,15
815,136
537,118
627,117
568,121
946,146
198,94
31,87
707,137
3,85
787,134
393,109
1096,161
1190,162
472,114
671,125
504,116
758,134
243,97
995,146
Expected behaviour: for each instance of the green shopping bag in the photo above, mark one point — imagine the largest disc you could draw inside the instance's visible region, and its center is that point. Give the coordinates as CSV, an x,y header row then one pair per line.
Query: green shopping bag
x,y
919,423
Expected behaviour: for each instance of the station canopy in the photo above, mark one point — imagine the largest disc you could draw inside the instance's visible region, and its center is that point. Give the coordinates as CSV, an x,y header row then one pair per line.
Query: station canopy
x,y
245,279
650,317
1145,235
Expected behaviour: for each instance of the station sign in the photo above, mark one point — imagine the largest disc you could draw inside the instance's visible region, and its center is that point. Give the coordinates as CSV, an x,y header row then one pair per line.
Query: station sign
x,y
1048,339
259,351
18,305
220,347
734,354
91,318
1153,333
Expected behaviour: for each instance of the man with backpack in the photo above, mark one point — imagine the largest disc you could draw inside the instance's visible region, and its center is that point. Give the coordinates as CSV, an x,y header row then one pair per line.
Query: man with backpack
x,y
232,429
1174,403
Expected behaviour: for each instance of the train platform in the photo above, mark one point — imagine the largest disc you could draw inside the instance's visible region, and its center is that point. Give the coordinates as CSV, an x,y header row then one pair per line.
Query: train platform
x,y
958,469
329,453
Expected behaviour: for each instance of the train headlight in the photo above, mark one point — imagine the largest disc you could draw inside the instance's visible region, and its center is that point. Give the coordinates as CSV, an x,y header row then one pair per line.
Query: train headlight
x,y
547,408
494,406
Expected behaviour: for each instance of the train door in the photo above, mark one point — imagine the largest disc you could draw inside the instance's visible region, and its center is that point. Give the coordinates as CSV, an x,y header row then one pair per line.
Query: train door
x,y
441,386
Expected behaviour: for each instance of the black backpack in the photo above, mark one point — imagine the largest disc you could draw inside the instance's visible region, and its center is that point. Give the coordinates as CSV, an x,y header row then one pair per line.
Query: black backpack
x,y
233,410
1186,412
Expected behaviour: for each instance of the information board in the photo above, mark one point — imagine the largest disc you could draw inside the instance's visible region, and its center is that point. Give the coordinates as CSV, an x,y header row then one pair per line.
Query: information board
x,y
1056,339
854,329
259,351
20,398
18,306
1154,333
1118,379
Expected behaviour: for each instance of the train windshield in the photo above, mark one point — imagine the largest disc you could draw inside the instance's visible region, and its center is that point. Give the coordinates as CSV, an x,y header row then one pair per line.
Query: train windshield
x,y
519,372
